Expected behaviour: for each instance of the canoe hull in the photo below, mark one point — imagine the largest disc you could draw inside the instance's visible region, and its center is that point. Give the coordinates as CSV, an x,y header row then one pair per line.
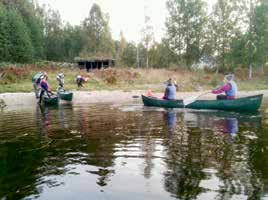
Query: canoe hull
x,y
156,102
65,95
251,103
52,100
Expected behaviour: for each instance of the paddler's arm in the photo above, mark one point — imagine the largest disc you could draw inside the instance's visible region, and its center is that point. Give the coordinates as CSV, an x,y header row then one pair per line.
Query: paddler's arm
x,y
222,89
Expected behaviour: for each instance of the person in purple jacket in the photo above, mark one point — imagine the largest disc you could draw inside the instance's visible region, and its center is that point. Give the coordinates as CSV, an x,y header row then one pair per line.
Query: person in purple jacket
x,y
44,87
229,88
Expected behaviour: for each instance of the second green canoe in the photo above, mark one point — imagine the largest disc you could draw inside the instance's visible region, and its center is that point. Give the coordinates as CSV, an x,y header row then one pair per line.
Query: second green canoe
x,y
65,95
251,103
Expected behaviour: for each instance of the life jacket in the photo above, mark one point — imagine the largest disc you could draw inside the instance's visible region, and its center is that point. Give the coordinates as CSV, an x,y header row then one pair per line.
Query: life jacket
x,y
232,92
171,92
37,78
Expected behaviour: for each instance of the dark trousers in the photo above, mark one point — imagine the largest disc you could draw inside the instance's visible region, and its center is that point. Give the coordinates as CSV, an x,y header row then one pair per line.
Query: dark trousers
x,y
221,97
79,82
41,95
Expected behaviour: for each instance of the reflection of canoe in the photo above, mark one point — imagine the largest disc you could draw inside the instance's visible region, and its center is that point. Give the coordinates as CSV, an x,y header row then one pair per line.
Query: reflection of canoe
x,y
65,95
52,100
251,103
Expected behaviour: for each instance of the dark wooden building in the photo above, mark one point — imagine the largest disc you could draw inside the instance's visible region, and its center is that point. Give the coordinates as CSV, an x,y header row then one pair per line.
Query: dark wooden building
x,y
91,64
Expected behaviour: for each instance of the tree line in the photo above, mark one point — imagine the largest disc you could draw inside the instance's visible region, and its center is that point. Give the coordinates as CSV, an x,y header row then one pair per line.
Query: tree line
x,y
231,33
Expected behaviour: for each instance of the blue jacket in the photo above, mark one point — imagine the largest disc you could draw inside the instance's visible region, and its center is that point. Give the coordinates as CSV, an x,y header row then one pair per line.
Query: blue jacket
x,y
171,92
44,85
232,92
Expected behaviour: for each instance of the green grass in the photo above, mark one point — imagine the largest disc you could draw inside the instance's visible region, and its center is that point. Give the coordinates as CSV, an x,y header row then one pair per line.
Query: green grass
x,y
20,81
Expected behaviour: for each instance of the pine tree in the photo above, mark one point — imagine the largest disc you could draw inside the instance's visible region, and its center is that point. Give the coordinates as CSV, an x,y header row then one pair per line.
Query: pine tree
x,y
20,49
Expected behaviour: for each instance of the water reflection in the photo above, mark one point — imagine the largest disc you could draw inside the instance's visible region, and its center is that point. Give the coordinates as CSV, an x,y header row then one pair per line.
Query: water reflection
x,y
97,150
206,165
171,116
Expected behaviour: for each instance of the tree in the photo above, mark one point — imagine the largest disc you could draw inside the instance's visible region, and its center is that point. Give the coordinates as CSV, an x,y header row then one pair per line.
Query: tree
x,y
96,35
147,37
185,26
20,49
32,18
4,40
72,42
260,31
161,56
54,36
225,25
129,55
120,47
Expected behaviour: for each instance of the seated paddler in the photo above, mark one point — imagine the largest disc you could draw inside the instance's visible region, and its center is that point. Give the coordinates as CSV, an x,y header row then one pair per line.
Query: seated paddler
x,y
229,88
170,91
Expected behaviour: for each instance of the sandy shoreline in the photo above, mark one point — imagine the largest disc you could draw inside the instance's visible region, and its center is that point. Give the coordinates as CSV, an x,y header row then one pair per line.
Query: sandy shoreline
x,y
118,96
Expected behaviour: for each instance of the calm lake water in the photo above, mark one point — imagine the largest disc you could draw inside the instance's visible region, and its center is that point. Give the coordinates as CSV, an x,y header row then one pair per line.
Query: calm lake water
x,y
119,152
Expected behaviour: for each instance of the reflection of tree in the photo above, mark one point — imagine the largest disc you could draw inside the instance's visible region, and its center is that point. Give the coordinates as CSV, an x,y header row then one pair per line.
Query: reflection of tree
x,y
258,154
150,129
45,119
183,162
18,170
231,160
21,156
103,176
148,147
199,142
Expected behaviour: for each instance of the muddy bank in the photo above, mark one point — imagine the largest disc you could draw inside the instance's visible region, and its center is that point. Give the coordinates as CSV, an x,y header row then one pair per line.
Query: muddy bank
x,y
81,97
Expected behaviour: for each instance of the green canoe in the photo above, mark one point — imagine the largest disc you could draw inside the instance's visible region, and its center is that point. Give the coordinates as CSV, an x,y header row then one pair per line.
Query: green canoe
x,y
65,95
52,100
251,103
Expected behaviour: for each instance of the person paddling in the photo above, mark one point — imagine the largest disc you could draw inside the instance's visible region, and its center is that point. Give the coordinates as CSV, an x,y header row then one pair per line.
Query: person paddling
x,y
229,88
170,91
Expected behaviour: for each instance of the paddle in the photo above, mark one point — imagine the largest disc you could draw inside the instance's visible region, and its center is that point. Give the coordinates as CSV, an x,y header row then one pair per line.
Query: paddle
x,y
192,99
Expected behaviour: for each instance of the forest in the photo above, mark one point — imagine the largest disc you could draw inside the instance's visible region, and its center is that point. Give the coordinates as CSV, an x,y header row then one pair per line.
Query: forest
x,y
233,34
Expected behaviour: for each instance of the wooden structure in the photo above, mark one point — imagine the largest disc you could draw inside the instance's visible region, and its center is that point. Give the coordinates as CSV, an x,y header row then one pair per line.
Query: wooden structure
x,y
95,63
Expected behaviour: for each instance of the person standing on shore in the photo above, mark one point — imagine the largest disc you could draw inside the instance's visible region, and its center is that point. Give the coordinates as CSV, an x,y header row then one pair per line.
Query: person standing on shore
x,y
60,79
36,83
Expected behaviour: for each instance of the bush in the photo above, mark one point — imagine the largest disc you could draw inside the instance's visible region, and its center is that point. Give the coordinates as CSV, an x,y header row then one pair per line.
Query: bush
x,y
14,74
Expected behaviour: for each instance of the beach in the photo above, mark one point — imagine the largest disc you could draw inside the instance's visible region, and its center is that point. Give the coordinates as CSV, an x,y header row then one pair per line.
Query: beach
x,y
105,96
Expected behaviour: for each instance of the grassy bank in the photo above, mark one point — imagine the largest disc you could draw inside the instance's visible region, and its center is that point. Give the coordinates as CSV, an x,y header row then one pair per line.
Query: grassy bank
x,y
18,79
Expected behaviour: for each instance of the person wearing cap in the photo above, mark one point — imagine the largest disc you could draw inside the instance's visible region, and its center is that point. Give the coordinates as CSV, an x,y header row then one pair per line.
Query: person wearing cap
x,y
229,88
60,79
170,91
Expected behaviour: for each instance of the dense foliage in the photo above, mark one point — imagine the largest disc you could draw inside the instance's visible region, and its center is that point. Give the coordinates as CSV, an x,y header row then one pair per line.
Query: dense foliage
x,y
232,34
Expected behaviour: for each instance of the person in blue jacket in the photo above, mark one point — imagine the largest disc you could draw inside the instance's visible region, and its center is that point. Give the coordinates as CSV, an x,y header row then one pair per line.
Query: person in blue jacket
x,y
170,91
